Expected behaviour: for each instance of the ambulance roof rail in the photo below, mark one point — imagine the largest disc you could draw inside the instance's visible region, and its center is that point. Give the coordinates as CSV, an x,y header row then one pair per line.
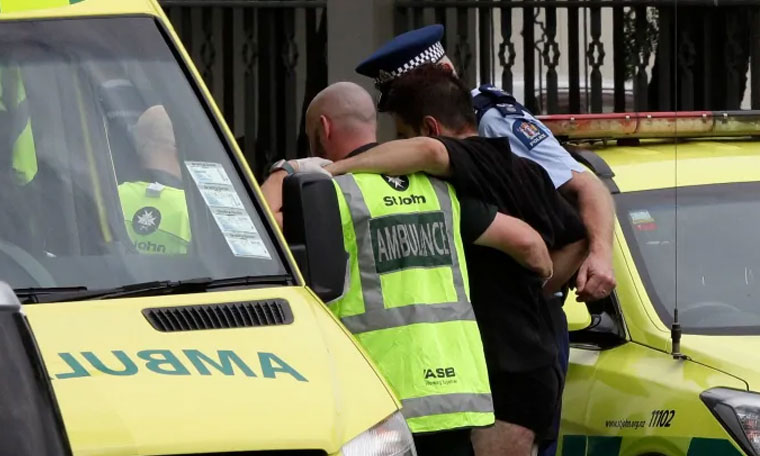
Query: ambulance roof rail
x,y
641,125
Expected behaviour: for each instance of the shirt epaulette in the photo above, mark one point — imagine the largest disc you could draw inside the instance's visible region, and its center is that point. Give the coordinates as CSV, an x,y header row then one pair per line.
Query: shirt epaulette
x,y
493,97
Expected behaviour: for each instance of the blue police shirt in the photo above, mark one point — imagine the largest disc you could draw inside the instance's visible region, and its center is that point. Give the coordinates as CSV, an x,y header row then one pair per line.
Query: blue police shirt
x,y
529,138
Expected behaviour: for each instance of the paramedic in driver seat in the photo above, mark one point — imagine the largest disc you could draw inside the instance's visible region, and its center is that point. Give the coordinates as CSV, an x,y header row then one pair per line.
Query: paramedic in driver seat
x,y
407,300
155,211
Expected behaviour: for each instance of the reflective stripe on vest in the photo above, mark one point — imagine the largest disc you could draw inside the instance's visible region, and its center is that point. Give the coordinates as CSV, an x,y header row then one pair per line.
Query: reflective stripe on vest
x,y
407,302
376,316
444,403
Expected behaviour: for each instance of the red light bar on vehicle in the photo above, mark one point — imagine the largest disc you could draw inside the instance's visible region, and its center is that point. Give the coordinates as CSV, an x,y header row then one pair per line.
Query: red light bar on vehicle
x,y
684,124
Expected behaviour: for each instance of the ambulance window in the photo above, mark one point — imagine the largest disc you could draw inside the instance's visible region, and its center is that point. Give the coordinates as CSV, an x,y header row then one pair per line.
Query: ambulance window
x,y
701,256
113,171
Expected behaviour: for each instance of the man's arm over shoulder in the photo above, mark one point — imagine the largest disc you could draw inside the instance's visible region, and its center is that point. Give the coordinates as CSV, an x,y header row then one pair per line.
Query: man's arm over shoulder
x,y
399,157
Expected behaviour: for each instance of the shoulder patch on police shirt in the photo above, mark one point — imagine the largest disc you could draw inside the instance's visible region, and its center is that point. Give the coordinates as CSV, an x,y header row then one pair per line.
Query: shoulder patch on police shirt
x,y
528,133
410,240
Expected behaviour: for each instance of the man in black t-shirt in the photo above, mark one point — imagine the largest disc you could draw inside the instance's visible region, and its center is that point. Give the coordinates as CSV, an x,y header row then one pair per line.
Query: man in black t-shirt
x,y
508,299
341,123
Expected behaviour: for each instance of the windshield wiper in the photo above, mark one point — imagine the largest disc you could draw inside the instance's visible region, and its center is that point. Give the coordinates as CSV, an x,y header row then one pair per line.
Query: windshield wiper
x,y
155,288
33,294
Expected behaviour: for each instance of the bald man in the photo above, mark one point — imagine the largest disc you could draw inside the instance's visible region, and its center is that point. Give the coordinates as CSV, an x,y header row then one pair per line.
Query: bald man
x,y
380,213
340,121
154,207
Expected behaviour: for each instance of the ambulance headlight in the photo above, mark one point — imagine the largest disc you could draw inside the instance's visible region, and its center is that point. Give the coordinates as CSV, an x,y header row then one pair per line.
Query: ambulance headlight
x,y
739,412
390,437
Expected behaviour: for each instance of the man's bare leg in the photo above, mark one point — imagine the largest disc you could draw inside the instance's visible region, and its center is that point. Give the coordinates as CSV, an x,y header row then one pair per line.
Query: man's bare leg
x,y
503,439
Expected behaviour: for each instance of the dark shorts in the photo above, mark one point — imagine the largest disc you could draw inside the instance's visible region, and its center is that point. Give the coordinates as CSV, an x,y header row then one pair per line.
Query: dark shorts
x,y
449,443
529,399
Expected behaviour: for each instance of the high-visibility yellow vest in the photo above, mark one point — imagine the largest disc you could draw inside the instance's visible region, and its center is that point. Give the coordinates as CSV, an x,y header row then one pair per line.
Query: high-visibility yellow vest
x,y
156,217
19,129
407,298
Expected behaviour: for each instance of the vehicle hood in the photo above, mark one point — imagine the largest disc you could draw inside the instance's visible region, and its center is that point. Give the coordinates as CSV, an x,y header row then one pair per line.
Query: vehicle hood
x,y
126,388
738,356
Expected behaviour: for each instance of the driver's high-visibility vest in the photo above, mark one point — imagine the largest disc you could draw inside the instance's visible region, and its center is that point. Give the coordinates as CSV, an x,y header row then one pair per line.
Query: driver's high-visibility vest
x,y
13,100
19,137
156,217
407,297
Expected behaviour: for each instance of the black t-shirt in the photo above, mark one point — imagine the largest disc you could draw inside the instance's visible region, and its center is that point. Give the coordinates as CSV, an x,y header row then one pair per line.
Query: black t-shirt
x,y
512,313
476,216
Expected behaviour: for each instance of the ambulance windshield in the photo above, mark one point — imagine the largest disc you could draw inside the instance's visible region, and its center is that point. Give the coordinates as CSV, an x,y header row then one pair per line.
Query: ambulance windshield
x,y
715,278
113,171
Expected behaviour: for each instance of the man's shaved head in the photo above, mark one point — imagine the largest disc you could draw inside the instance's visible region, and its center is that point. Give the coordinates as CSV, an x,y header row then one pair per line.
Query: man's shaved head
x,y
339,119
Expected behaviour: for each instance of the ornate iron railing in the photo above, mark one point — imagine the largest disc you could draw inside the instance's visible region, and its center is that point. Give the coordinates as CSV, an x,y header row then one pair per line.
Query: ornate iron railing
x,y
573,56
263,60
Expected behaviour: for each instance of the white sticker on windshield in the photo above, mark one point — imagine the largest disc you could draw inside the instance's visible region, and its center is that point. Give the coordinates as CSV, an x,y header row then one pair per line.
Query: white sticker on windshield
x,y
247,246
228,210
222,196
233,221
208,173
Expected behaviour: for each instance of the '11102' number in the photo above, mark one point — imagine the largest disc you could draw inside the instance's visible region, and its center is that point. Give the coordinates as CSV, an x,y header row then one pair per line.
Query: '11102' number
x,y
661,418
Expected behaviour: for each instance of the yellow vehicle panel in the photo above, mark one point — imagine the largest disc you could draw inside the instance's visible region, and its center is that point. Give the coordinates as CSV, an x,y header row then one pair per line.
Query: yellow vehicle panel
x,y
653,163
39,9
612,397
120,382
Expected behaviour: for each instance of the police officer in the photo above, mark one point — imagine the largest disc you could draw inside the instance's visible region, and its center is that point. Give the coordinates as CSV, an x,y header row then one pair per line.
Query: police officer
x,y
407,299
500,115
154,207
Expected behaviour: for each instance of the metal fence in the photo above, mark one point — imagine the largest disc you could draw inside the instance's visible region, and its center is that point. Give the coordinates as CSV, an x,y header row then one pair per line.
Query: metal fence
x,y
573,56
263,61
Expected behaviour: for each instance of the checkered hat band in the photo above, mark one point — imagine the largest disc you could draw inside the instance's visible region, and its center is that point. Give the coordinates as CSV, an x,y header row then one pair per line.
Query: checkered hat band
x,y
430,55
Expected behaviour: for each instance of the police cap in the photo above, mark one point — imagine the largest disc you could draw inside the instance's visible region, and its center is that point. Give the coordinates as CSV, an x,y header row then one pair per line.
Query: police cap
x,y
402,54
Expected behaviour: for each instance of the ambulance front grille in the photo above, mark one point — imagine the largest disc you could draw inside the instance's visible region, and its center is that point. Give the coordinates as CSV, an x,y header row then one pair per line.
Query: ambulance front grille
x,y
271,312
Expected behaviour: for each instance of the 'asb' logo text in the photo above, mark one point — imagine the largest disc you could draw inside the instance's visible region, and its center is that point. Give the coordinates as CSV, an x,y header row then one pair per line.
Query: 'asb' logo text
x,y
441,372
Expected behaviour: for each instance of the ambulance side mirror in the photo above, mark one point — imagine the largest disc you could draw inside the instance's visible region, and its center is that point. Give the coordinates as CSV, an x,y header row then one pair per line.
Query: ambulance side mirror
x,y
312,228
578,316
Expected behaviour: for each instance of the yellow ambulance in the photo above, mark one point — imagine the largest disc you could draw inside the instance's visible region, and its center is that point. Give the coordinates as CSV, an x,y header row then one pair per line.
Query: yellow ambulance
x,y
170,315
666,366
